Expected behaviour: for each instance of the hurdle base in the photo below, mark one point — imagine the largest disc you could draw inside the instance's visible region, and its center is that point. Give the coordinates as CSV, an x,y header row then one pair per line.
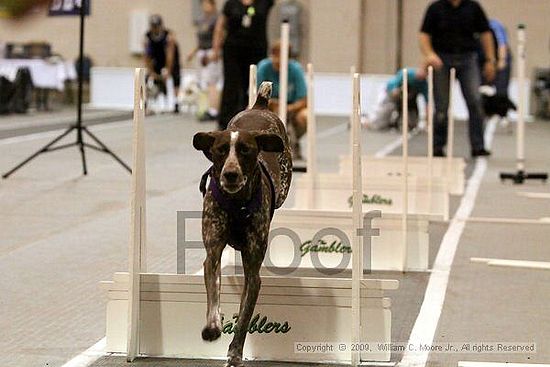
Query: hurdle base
x,y
294,310
520,177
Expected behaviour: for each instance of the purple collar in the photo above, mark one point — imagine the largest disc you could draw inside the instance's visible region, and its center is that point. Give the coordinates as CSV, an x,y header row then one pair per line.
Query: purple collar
x,y
238,212
236,209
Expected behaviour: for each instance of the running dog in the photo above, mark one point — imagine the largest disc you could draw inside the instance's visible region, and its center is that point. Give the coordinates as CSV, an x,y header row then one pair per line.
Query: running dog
x,y
249,178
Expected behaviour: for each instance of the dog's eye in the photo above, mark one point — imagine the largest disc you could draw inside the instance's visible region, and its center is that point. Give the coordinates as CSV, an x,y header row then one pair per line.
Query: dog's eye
x,y
243,149
222,149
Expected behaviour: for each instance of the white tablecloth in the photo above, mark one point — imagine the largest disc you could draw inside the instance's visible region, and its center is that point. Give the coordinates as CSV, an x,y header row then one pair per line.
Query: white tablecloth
x,y
44,74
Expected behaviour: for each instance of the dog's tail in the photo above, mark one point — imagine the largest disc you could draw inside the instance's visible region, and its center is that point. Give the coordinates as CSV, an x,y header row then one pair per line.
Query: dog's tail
x,y
264,94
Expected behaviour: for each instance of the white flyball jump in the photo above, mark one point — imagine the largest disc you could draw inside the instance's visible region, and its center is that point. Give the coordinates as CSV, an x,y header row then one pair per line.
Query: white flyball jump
x,y
283,71
137,251
520,176
157,315
432,172
427,194
326,200
252,85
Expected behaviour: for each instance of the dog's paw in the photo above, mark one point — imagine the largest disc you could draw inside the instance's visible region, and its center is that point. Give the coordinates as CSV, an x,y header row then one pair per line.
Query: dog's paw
x,y
234,362
211,333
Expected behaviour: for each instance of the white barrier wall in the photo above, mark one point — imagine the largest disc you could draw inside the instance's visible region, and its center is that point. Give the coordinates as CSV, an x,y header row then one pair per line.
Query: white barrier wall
x,y
334,249
295,310
113,88
418,166
333,192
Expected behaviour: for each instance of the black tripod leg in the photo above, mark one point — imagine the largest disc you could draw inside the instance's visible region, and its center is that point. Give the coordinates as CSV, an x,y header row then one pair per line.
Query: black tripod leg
x,y
44,149
83,155
106,150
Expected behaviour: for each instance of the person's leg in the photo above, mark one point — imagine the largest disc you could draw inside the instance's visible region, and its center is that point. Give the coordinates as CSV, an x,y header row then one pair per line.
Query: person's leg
x,y
245,62
231,86
293,137
300,122
213,72
441,104
502,80
469,76
176,77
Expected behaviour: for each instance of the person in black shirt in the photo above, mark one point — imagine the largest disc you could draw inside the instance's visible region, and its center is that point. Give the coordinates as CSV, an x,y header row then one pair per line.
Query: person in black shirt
x,y
241,31
162,56
448,39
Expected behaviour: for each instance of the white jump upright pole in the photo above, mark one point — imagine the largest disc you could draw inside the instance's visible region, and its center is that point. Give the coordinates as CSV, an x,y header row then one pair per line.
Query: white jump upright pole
x,y
520,135
283,72
405,171
430,117
357,213
430,120
137,263
311,137
352,74
252,88
450,126
520,176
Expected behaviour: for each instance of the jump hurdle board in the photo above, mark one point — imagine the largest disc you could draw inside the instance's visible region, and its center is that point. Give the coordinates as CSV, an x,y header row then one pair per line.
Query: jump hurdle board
x,y
296,309
384,247
332,192
418,166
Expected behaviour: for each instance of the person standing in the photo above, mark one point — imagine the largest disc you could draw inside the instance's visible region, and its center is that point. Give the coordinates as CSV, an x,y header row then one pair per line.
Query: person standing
x,y
241,31
162,56
209,70
268,70
448,40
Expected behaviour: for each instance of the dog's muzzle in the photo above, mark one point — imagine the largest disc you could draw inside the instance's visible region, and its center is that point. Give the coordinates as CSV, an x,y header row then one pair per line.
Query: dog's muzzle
x,y
232,181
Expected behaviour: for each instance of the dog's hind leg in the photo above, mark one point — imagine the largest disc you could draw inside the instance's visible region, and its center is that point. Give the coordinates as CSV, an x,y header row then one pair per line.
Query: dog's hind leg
x,y
252,261
212,281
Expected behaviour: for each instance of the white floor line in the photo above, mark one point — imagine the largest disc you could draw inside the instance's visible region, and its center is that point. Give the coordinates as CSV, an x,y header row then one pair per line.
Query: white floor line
x,y
53,133
89,356
526,264
496,220
426,323
534,195
387,149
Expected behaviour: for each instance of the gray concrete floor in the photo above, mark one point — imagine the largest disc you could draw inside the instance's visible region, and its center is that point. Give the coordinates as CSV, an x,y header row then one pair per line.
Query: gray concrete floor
x,y
112,361
62,233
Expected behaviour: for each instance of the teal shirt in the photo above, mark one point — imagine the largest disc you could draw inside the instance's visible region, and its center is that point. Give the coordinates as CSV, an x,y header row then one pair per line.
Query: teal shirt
x,y
296,79
421,86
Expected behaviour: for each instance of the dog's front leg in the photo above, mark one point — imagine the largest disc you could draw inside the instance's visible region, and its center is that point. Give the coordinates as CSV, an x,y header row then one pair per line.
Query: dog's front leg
x,y
252,261
212,272
214,242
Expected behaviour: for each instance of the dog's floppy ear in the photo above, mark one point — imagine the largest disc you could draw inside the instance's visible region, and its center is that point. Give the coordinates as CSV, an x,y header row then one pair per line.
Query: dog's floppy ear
x,y
270,142
203,141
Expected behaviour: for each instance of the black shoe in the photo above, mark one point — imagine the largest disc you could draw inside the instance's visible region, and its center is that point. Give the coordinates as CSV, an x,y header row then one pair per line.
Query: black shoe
x,y
207,117
176,108
438,152
480,153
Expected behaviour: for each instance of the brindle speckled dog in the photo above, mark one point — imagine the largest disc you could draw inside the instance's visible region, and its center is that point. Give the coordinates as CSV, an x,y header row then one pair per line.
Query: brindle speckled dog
x,y
249,179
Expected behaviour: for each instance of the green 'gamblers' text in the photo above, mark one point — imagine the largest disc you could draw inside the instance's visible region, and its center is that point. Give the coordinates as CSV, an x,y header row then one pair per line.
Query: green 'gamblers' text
x,y
258,325
322,246
373,199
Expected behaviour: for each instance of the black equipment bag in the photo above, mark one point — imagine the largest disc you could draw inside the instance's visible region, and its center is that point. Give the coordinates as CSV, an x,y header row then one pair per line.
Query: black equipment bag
x,y
6,95
22,95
